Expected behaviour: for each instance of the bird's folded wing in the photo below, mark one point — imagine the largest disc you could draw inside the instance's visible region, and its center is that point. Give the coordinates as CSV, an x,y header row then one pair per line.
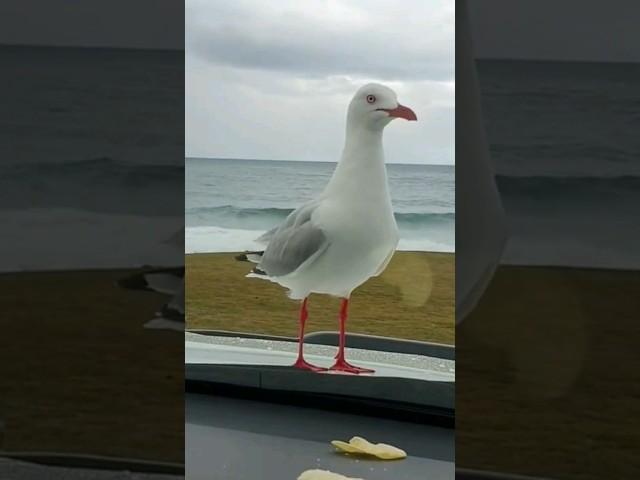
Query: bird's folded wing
x,y
300,214
296,241
265,237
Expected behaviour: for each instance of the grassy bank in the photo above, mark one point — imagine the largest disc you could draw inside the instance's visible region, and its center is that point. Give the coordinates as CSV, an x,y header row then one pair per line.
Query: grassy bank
x,y
80,374
414,299
548,375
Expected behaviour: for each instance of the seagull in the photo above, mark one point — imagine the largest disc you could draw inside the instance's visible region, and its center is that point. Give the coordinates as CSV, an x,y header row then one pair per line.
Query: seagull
x,y
334,243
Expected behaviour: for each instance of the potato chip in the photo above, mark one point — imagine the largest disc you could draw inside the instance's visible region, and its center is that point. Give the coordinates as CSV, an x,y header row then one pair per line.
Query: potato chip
x,y
347,447
362,446
323,475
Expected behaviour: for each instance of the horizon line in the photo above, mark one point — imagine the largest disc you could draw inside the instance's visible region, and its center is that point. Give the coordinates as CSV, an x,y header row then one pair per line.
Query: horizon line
x,y
308,161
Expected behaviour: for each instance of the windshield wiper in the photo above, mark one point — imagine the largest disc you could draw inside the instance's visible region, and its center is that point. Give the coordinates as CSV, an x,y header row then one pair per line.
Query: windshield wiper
x,y
196,382
419,388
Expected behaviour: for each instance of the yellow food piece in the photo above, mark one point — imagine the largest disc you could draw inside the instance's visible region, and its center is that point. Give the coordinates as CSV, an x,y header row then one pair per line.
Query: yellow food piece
x,y
347,447
323,475
380,450
362,446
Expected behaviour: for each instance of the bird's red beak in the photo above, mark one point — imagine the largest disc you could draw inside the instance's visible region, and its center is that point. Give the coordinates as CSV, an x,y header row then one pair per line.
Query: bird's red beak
x,y
402,112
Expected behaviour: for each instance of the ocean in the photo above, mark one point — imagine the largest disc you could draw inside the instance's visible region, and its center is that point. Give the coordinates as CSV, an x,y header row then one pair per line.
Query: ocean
x,y
230,202
91,158
565,141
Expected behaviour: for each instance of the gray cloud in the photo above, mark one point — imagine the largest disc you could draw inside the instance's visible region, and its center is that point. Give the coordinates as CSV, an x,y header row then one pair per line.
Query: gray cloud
x,y
155,24
273,83
312,59
591,30
377,39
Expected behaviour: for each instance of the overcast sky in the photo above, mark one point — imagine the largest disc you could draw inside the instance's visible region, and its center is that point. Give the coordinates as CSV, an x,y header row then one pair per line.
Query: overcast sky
x,y
156,24
592,30
272,80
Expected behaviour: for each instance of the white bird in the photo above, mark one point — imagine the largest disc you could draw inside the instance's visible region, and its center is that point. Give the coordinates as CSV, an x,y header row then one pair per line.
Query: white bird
x,y
336,242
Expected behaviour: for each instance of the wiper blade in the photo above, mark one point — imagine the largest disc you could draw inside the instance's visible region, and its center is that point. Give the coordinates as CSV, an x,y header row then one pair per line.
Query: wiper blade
x,y
355,340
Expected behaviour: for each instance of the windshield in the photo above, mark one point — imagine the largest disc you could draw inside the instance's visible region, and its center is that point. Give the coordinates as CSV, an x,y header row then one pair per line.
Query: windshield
x,y
319,238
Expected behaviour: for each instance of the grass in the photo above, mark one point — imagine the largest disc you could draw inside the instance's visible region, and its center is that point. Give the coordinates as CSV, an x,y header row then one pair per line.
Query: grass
x,y
548,375
413,299
80,374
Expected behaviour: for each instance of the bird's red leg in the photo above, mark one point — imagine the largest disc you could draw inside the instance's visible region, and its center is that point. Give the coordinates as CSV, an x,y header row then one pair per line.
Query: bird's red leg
x,y
341,364
344,306
301,362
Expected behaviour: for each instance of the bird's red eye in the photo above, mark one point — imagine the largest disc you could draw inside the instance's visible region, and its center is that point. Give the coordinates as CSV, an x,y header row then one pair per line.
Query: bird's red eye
x,y
371,98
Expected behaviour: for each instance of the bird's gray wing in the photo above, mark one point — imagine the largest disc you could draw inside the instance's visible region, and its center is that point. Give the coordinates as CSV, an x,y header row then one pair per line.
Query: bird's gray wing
x,y
301,213
266,237
294,242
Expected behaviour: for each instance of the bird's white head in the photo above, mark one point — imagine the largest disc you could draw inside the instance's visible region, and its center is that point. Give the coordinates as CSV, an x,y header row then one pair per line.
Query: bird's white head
x,y
374,106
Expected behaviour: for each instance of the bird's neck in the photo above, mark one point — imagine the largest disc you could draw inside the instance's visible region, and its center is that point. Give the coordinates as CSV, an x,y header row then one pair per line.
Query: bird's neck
x,y
361,169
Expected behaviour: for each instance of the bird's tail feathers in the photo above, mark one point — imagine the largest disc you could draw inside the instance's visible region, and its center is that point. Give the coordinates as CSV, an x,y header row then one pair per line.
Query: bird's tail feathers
x,y
253,257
